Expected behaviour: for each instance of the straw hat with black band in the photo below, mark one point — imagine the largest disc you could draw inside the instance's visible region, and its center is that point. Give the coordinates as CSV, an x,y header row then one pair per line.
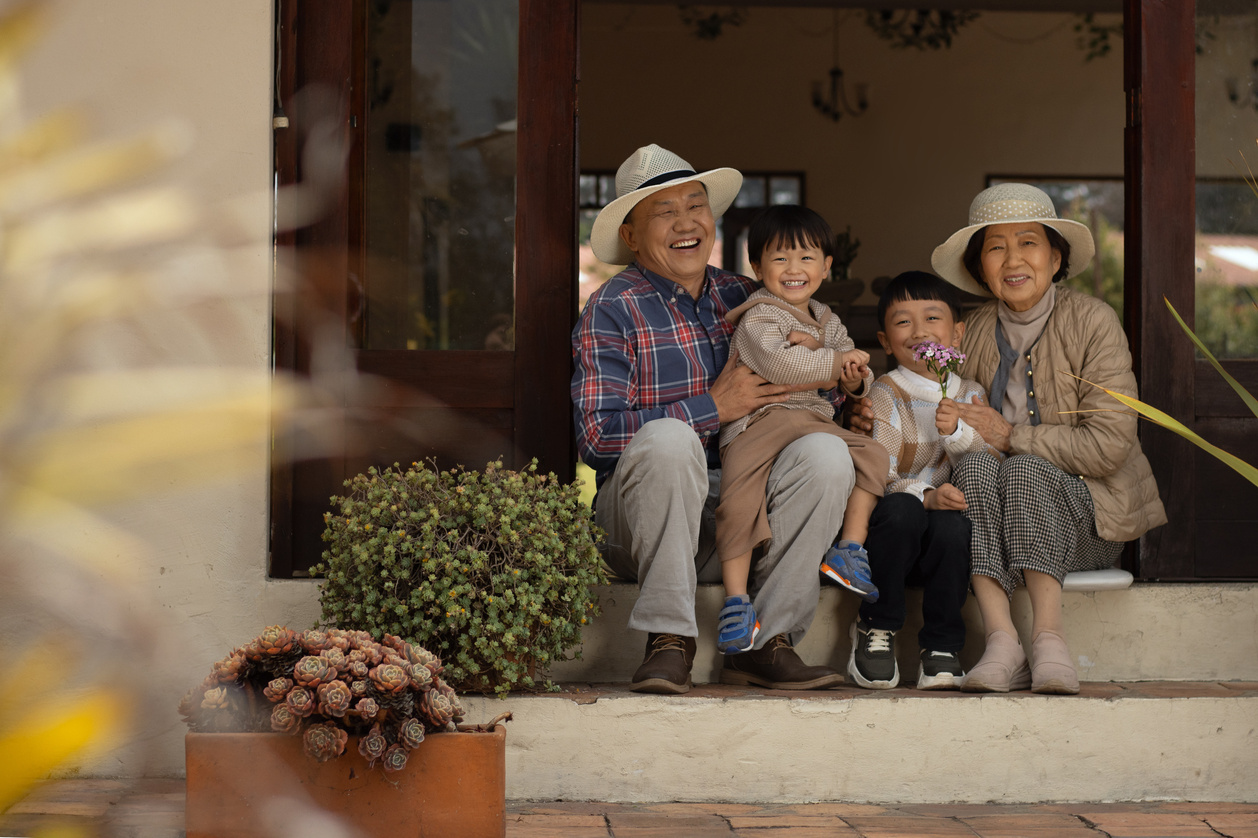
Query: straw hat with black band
x,y
1008,203
647,171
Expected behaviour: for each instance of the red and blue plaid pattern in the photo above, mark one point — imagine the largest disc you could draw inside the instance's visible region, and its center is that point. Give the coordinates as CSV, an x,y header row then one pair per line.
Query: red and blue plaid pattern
x,y
644,349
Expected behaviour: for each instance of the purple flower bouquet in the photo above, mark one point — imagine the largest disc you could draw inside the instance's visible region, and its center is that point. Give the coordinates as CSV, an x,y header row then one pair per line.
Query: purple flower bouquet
x,y
941,360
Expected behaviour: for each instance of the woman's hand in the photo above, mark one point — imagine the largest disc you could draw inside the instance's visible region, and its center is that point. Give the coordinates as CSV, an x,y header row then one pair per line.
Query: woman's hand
x,y
947,416
990,424
946,497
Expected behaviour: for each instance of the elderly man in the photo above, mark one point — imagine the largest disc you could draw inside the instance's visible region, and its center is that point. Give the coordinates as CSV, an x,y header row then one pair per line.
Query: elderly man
x,y
650,392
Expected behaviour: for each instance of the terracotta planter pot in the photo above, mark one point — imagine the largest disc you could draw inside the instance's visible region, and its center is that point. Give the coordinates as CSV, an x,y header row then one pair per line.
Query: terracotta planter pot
x,y
247,784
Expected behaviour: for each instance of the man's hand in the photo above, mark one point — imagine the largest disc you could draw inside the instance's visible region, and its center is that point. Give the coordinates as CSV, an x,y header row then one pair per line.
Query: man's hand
x,y
946,417
946,496
738,391
990,424
858,414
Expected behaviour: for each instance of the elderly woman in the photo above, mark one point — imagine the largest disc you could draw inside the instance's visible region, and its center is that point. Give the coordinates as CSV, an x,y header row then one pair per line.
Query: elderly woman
x,y
1074,484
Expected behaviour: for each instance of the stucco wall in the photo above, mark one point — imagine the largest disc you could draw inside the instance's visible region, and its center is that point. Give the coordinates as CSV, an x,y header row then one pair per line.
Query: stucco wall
x,y
131,64
1013,95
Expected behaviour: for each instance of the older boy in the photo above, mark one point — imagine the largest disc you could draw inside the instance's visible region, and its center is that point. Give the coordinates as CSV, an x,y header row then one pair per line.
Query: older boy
x,y
917,533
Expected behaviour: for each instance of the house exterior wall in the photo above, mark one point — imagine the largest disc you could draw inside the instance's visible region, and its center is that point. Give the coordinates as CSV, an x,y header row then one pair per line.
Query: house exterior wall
x,y
897,175
129,65
1013,95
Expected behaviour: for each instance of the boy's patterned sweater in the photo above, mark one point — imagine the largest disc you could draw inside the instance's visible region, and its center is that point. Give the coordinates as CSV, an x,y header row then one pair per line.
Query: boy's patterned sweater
x,y
761,340
904,422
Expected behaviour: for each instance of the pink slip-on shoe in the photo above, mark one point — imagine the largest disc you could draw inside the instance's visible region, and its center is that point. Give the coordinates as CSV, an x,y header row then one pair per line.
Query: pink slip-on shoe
x,y
1002,668
1052,671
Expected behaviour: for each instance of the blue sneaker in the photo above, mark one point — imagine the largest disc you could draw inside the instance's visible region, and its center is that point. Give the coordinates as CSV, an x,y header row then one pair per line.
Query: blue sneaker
x,y
736,626
847,563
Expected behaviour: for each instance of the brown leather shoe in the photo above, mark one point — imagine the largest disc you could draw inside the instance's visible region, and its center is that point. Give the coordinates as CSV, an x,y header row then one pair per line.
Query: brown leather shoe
x,y
666,667
777,667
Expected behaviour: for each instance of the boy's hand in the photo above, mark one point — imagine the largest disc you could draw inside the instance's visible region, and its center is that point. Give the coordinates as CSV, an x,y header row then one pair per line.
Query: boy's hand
x,y
852,375
947,497
946,417
798,338
859,356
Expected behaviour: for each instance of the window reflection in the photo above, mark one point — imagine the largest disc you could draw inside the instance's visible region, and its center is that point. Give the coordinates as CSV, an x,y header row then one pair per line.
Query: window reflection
x,y
439,193
1226,254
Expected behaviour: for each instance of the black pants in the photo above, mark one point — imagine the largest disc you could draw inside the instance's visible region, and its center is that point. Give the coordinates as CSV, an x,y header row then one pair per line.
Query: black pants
x,y
910,545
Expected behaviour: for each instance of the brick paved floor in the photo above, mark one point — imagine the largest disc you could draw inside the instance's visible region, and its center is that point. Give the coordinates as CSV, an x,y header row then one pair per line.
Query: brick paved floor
x,y
154,809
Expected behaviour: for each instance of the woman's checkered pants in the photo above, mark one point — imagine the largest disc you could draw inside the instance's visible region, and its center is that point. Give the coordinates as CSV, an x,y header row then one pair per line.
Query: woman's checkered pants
x,y
1028,514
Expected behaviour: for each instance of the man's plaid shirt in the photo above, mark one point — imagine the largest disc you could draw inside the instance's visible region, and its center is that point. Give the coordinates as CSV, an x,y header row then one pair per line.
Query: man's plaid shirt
x,y
645,349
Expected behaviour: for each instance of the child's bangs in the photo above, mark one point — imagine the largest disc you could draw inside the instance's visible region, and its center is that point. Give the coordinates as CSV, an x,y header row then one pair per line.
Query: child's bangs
x,y
918,285
785,226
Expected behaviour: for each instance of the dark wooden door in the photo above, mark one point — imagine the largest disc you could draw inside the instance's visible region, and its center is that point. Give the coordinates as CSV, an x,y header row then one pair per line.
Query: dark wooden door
x,y
1213,511
396,381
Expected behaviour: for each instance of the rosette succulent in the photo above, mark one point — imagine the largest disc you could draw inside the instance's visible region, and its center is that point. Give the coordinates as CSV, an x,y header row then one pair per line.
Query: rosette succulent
x,y
411,733
324,741
284,720
394,758
493,570
325,686
372,745
312,670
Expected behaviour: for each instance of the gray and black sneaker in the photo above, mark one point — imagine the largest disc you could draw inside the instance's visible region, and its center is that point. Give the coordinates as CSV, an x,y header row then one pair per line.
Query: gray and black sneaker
x,y
872,664
939,671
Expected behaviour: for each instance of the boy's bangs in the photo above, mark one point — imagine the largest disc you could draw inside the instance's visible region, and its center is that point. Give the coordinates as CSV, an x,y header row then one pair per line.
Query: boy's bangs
x,y
787,226
918,285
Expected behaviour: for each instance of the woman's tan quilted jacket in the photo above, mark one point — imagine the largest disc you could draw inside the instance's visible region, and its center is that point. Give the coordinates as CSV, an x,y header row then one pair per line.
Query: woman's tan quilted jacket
x,y
1082,338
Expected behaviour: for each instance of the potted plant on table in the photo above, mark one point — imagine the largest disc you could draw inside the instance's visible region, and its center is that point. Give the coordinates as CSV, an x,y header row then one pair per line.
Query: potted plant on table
x,y
493,570
364,727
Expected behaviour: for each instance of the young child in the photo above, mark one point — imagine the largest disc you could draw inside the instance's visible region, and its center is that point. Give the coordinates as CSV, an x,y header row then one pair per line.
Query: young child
x,y
918,531
787,337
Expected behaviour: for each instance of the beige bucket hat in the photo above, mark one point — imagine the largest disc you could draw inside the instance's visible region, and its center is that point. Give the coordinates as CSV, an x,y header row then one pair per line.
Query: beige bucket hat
x,y
1002,204
647,171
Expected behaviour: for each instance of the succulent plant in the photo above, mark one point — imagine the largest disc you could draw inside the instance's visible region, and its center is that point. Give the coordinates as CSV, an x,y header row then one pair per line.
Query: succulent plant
x,y
394,758
324,741
306,684
493,570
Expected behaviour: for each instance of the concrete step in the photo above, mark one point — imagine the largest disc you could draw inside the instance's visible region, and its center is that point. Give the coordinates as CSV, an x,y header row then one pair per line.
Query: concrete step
x,y
1113,742
1150,631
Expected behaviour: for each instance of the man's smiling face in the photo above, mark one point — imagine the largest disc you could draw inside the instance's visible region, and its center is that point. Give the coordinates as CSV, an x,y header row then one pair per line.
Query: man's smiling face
x,y
672,233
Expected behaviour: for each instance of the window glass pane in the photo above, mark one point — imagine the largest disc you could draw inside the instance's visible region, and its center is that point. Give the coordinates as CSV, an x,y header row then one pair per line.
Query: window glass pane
x,y
1227,209
606,189
439,190
784,190
752,193
589,191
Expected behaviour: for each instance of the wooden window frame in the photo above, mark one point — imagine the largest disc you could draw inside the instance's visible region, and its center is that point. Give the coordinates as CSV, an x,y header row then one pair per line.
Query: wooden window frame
x,y
522,390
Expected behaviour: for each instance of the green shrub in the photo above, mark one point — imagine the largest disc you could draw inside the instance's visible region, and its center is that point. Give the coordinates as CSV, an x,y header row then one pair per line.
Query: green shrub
x,y
490,570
